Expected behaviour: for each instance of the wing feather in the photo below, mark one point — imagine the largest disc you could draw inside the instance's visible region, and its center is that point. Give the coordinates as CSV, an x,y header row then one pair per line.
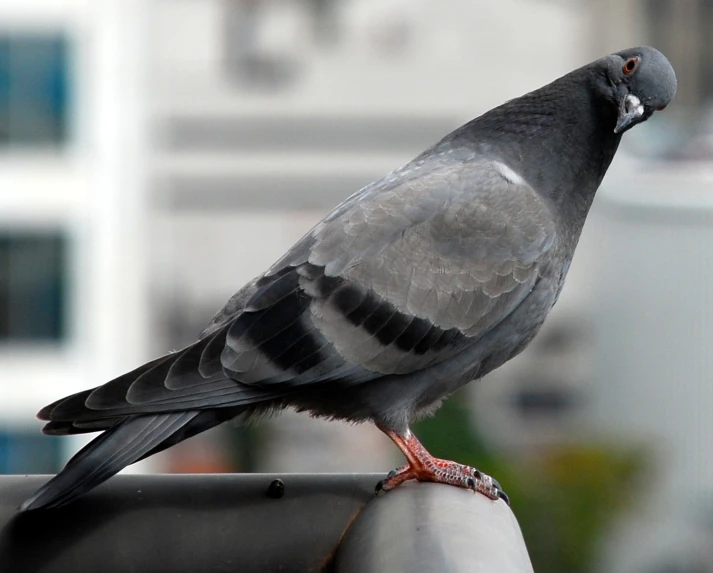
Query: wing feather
x,y
403,275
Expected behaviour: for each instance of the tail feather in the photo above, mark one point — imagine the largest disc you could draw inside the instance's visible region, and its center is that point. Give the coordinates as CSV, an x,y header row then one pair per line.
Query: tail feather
x,y
70,428
126,442
205,420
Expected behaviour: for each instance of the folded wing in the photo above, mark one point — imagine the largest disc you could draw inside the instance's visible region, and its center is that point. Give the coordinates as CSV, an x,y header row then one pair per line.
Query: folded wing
x,y
403,275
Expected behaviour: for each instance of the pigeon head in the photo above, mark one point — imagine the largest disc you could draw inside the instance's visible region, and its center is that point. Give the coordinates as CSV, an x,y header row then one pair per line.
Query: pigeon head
x,y
639,81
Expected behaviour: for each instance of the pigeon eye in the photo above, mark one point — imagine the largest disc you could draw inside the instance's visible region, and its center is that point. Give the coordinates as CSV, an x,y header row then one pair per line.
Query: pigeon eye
x,y
630,65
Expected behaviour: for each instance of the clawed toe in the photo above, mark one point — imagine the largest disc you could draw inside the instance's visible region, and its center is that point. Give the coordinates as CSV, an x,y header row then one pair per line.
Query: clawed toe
x,y
499,491
424,467
473,479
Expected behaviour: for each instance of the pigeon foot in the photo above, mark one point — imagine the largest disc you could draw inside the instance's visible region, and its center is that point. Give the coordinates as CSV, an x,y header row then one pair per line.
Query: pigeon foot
x,y
423,466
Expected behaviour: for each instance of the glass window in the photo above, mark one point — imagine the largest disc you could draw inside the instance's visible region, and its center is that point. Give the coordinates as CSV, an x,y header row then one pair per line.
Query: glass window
x,y
32,286
28,452
33,90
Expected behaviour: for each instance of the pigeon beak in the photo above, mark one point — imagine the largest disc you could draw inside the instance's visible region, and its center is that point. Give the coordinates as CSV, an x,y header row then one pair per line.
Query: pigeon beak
x,y
630,111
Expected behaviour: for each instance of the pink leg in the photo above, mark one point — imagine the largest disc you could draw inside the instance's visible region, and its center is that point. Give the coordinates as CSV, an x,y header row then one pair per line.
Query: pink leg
x,y
422,466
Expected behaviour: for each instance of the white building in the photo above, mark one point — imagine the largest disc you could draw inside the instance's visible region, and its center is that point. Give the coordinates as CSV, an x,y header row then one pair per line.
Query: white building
x,y
71,185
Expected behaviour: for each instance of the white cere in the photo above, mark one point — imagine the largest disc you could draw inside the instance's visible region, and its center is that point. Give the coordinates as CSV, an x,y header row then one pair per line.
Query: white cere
x,y
634,102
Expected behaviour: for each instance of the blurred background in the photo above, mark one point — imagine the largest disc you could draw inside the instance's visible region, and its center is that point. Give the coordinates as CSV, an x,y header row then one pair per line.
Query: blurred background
x,y
157,154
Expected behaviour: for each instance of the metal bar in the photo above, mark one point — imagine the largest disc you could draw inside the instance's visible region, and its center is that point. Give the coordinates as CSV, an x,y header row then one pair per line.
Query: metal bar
x,y
249,522
423,528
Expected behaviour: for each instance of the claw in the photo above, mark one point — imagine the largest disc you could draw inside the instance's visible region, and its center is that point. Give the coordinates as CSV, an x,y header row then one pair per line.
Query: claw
x,y
423,466
380,485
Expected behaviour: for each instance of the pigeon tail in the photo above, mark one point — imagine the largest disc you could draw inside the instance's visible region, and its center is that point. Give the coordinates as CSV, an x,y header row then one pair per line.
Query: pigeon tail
x,y
128,441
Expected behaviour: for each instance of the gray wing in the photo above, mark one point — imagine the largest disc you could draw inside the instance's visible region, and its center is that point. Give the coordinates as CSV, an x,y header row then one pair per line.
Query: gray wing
x,y
403,275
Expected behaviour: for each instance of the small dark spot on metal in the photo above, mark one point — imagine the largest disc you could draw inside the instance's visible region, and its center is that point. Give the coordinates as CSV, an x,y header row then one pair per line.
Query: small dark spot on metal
x,y
276,489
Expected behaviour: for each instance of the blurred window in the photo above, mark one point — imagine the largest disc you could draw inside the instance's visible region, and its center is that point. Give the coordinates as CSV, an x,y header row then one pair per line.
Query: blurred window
x,y
33,89
32,286
28,452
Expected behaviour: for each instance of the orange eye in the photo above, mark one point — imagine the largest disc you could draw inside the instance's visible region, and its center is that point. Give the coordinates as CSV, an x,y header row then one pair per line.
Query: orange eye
x,y
630,65
663,107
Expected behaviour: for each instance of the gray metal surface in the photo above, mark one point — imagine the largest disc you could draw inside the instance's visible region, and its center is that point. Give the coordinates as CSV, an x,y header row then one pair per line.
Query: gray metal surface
x,y
424,528
181,524
239,523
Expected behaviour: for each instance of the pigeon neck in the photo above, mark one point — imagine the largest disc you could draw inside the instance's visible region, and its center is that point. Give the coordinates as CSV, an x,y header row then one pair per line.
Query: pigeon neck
x,y
559,138
566,154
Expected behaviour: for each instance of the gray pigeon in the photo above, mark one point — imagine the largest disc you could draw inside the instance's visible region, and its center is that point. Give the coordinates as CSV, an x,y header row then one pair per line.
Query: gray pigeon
x,y
428,278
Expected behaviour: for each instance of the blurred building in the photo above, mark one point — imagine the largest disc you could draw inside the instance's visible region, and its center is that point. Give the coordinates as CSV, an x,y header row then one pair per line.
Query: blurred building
x,y
70,278
157,154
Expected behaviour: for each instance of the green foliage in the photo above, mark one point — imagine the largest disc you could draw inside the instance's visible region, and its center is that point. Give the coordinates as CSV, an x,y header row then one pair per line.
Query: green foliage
x,y
565,497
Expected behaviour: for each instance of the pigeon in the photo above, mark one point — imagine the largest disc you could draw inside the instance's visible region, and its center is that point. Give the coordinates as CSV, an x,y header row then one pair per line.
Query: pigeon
x,y
417,284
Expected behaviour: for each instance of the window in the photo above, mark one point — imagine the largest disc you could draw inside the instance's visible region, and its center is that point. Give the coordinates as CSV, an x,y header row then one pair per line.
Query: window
x,y
28,452
32,287
33,90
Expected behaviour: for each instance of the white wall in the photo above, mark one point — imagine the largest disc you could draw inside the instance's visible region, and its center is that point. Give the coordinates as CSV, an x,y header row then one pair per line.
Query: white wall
x,y
458,55
654,319
92,189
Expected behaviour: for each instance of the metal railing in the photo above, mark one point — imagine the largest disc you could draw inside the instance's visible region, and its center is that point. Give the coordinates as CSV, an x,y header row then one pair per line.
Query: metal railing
x,y
258,522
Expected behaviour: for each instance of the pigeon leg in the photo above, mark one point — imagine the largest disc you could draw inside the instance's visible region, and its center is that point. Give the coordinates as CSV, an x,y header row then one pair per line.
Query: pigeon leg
x,y
422,466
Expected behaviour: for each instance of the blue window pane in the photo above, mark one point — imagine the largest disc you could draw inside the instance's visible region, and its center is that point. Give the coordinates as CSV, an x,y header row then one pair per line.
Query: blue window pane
x,y
32,286
28,452
33,90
